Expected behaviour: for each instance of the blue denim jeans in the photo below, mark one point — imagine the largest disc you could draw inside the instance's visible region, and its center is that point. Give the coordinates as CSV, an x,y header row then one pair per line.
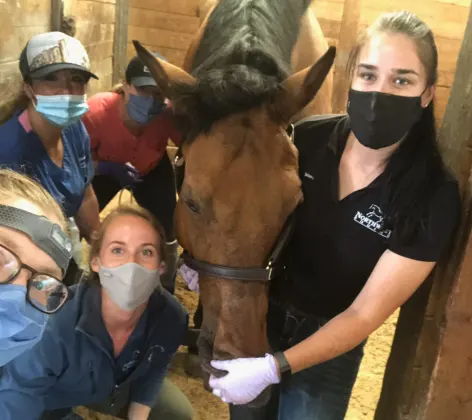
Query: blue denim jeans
x,y
321,392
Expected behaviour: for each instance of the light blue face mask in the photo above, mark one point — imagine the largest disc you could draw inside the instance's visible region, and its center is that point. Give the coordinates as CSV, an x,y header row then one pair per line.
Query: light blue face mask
x,y
143,109
21,325
62,110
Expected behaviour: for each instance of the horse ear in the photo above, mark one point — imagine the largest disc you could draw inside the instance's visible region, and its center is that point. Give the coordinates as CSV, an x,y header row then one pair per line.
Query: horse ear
x,y
164,73
300,88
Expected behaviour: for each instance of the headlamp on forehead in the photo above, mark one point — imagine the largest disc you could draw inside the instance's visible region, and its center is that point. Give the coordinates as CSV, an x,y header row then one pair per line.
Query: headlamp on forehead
x,y
46,235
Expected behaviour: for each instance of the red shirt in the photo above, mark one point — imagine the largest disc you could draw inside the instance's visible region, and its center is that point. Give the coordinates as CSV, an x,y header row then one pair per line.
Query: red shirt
x,y
110,140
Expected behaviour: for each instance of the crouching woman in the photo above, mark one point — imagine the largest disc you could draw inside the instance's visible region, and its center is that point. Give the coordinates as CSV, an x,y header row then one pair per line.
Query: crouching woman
x,y
111,345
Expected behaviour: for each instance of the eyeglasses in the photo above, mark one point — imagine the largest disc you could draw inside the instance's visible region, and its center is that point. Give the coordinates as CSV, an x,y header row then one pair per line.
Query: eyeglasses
x,y
43,291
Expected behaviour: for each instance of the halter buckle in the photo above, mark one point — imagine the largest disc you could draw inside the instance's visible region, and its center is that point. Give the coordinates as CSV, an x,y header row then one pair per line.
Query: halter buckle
x,y
270,269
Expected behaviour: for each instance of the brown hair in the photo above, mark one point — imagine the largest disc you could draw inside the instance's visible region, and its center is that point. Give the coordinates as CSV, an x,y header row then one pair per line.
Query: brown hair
x,y
20,103
14,185
404,23
125,210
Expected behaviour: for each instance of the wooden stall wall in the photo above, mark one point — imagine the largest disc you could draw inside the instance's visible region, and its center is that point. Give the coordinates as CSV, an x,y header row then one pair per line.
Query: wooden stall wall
x,y
341,20
165,26
19,21
95,29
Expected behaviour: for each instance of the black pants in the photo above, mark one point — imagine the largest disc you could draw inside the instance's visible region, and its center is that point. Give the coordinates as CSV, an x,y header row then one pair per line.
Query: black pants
x,y
155,193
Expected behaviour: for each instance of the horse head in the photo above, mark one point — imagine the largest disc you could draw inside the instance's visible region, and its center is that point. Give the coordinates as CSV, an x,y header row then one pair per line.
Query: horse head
x,y
241,184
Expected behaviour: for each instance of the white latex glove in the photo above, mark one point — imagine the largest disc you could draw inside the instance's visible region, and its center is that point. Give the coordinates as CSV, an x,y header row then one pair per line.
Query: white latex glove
x,y
190,277
245,380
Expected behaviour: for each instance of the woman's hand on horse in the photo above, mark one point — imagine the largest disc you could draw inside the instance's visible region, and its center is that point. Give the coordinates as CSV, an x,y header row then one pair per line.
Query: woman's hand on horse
x,y
190,277
246,378
126,174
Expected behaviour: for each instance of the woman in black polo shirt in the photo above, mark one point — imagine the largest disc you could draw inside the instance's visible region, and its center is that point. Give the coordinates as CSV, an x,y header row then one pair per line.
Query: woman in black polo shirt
x,y
379,210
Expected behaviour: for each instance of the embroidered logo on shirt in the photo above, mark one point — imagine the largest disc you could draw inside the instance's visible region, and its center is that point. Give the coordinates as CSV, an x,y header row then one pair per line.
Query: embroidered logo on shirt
x,y
373,220
309,176
133,362
83,162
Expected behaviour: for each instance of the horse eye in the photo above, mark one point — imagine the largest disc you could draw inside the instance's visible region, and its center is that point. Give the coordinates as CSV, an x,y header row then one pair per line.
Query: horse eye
x,y
193,206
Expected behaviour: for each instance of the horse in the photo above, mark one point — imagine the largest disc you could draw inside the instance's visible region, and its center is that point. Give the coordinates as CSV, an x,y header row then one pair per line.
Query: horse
x,y
248,74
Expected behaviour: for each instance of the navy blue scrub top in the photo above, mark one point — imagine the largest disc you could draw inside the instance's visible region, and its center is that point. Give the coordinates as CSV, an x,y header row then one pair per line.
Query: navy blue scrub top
x,y
21,150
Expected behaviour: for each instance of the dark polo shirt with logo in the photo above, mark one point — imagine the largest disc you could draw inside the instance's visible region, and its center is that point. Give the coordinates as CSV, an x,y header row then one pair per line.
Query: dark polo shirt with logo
x,y
337,244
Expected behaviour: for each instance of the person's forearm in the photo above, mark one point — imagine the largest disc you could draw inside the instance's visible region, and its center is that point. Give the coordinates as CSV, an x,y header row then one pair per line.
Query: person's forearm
x,y
88,216
338,336
138,411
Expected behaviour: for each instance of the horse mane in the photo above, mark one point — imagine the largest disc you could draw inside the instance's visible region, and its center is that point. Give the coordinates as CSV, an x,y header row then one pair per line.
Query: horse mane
x,y
243,56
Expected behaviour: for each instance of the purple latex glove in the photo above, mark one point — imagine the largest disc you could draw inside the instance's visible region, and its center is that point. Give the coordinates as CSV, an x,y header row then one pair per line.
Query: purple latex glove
x,y
246,378
126,174
190,277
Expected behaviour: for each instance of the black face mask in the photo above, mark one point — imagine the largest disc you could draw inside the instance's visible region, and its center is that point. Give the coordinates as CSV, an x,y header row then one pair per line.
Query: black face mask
x,y
381,120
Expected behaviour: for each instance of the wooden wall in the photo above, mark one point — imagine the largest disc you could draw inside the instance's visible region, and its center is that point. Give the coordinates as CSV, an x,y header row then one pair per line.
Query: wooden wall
x,y
165,26
342,19
95,29
19,21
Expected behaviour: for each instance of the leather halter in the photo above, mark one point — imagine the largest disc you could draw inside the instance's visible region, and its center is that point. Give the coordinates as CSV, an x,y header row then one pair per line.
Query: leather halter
x,y
260,274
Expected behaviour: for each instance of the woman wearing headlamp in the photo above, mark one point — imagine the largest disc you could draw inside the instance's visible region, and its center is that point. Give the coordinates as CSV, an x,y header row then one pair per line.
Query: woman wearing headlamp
x,y
34,255
111,346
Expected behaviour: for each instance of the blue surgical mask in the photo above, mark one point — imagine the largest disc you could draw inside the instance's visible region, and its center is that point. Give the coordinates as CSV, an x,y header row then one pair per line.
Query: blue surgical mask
x,y
143,109
62,110
21,325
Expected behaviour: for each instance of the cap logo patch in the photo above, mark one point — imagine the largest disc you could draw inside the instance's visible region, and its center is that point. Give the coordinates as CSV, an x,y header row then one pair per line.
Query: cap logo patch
x,y
63,52
146,70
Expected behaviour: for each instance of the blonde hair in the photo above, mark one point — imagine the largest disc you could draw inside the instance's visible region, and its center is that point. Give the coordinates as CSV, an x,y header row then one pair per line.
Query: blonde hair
x,y
118,88
14,185
125,210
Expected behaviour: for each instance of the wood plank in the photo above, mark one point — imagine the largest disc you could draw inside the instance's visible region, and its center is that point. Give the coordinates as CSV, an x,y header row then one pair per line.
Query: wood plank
x,y
328,9
441,98
445,78
180,7
449,392
102,85
104,1
447,20
121,40
172,55
100,51
10,82
465,3
432,380
93,33
57,13
330,27
160,37
25,13
91,11
102,67
161,20
15,40
448,51
347,39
